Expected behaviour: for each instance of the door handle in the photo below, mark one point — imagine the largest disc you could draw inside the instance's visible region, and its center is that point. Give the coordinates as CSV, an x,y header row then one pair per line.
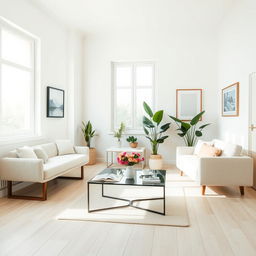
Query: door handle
x,y
252,127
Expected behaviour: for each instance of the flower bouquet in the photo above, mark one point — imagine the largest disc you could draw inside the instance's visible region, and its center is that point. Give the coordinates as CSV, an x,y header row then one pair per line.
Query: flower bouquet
x,y
129,159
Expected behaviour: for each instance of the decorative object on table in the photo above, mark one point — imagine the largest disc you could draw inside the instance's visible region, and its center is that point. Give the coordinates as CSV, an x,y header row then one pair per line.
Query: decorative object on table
x,y
188,103
55,102
118,134
89,133
154,132
189,131
129,159
132,141
230,100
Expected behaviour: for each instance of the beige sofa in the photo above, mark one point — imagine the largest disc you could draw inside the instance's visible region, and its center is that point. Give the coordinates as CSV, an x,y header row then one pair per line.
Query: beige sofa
x,y
13,168
230,169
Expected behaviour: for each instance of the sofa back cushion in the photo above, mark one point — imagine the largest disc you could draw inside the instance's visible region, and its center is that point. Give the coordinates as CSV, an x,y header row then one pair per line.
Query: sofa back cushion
x,y
65,147
199,145
209,151
26,152
50,149
12,154
228,149
41,154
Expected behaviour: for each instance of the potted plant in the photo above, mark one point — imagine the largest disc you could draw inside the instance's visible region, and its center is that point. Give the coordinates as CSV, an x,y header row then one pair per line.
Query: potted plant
x,y
154,132
89,133
189,131
129,159
118,134
132,141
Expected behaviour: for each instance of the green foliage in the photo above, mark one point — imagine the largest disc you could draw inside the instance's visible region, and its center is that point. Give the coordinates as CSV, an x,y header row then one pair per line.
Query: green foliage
x,y
131,139
154,132
189,131
87,132
118,134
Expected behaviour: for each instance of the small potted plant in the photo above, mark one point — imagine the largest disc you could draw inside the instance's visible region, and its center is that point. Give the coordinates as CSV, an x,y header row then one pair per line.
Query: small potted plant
x,y
154,132
118,134
129,159
89,133
132,141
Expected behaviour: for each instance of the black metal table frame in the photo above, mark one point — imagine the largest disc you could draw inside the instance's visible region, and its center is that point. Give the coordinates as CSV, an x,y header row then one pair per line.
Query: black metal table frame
x,y
130,202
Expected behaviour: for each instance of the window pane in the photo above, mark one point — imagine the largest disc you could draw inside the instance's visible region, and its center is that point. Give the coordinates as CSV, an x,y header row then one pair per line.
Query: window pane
x,y
123,76
144,75
16,48
124,107
142,95
15,100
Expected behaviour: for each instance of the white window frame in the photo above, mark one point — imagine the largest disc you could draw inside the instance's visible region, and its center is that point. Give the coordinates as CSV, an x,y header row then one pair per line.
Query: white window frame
x,y
35,74
134,64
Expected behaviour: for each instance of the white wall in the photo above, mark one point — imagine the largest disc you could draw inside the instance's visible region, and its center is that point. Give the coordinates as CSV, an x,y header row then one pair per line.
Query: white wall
x,y
237,59
184,59
57,52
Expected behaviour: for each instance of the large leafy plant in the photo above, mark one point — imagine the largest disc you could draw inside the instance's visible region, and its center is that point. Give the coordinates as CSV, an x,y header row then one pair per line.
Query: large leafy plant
x,y
153,130
88,132
189,131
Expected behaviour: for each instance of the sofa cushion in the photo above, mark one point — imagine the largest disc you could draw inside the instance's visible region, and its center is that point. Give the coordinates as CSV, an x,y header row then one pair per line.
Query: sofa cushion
x,y
26,152
199,144
209,151
41,154
50,149
228,149
65,147
59,164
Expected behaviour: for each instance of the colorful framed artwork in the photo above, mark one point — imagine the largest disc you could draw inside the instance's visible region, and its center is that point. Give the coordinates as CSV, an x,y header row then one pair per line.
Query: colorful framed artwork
x,y
230,100
188,103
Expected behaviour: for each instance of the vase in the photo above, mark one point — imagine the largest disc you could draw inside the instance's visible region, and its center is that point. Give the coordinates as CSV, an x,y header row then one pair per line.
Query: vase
x,y
155,162
129,172
119,143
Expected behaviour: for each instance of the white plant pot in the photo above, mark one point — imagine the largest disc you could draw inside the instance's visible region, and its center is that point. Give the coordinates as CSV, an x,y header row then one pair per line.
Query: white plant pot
x,y
129,172
119,143
155,162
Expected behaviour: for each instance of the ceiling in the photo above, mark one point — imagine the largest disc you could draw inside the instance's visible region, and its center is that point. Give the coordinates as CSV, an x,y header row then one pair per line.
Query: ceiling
x,y
93,16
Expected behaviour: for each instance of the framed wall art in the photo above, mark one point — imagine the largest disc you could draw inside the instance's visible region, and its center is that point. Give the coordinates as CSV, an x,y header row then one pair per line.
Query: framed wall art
x,y
230,100
55,102
188,103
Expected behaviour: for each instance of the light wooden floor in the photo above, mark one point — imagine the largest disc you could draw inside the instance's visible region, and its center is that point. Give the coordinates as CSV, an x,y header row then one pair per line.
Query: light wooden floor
x,y
222,223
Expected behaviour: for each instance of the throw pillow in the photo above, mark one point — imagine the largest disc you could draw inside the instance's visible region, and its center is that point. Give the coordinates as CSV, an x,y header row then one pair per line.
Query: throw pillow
x,y
26,152
199,145
209,151
41,154
64,147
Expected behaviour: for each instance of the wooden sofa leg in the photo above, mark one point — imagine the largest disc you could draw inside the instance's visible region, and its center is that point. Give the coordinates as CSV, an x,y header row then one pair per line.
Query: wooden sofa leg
x,y
241,190
203,189
42,198
181,173
74,178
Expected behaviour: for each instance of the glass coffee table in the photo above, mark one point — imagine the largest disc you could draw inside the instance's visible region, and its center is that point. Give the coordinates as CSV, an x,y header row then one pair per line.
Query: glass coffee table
x,y
137,181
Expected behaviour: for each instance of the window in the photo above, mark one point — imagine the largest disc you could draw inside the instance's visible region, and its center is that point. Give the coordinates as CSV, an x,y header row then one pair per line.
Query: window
x,y
17,81
133,83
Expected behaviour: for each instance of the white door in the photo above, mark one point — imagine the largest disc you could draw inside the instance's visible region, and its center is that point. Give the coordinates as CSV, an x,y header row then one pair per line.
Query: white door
x,y
252,121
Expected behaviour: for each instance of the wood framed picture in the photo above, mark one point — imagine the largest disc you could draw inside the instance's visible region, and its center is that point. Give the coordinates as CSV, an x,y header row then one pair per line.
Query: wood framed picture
x,y
188,103
230,100
55,102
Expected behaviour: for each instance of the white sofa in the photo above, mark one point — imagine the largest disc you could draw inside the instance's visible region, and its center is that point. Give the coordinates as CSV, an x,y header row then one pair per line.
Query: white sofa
x,y
230,169
13,168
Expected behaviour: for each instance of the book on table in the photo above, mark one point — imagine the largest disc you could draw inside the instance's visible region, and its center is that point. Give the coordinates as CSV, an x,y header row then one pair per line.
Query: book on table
x,y
108,177
151,180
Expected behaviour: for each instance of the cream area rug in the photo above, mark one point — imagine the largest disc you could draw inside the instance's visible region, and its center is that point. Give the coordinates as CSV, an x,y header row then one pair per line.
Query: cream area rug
x,y
176,210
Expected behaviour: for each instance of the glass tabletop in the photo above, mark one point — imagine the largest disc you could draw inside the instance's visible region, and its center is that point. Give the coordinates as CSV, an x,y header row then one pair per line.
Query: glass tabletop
x,y
137,181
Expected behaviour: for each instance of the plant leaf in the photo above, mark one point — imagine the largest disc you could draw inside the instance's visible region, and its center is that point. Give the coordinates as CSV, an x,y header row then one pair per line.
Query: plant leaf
x,y
147,109
145,130
161,140
185,126
149,138
175,119
181,134
203,126
165,127
148,123
198,133
158,116
196,119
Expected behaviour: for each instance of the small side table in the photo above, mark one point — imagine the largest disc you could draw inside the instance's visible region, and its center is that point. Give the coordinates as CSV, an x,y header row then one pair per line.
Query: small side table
x,y
112,150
